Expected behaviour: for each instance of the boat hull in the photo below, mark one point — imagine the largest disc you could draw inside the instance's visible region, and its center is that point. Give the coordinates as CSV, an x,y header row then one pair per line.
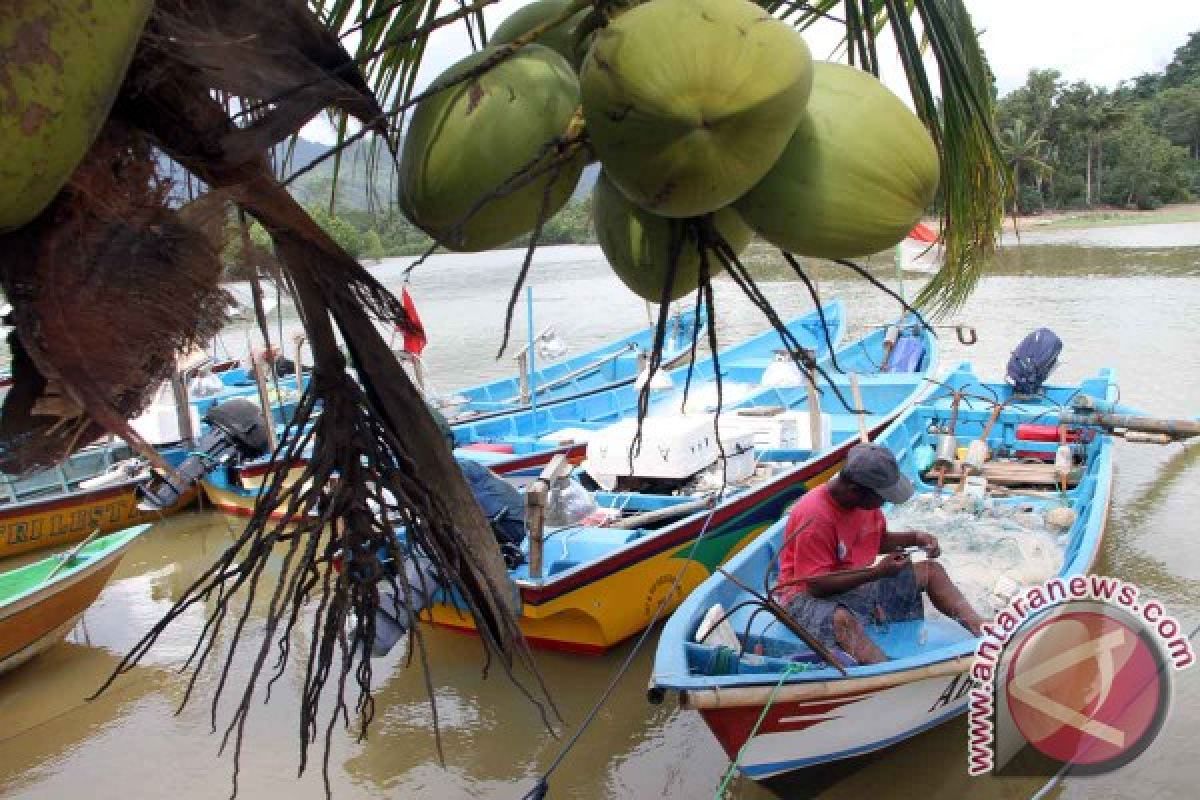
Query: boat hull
x,y
803,734
66,519
609,601
847,720
39,620
811,728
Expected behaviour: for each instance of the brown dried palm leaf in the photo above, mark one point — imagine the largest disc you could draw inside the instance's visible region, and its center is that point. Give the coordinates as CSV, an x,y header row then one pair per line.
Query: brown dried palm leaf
x,y
108,287
378,455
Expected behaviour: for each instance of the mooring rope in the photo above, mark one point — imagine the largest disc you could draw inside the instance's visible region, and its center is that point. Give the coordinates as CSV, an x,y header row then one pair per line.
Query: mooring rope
x,y
789,670
542,786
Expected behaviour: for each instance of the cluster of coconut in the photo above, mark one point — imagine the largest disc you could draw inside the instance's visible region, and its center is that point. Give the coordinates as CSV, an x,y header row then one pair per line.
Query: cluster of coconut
x,y
706,115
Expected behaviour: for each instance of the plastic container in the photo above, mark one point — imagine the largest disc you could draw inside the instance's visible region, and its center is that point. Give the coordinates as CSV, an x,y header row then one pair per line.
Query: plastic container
x,y
976,487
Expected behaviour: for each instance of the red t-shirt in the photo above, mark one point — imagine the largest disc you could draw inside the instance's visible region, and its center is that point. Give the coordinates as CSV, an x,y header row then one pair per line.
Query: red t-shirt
x,y
835,538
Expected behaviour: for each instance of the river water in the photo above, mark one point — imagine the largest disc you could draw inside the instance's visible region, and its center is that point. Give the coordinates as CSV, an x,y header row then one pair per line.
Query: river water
x,y
1122,297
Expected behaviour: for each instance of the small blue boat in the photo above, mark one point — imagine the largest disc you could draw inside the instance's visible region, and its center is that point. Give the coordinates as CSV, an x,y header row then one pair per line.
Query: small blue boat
x,y
521,443
790,720
613,364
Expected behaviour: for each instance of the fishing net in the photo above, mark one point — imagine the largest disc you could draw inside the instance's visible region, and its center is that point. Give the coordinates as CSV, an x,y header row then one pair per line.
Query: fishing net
x,y
989,552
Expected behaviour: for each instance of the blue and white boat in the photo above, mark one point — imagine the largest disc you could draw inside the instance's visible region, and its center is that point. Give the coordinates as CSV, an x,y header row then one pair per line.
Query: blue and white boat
x,y
521,443
613,364
790,720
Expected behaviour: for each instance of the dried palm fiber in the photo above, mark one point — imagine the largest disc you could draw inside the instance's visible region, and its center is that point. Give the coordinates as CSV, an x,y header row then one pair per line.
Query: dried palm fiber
x,y
106,250
291,55
377,438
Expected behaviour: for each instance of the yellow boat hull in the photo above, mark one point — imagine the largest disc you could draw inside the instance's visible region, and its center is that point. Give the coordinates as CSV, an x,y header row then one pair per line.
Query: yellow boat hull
x,y
602,613
36,525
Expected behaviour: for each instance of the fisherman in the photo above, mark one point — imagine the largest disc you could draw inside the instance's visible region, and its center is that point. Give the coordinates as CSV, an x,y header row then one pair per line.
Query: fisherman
x,y
829,579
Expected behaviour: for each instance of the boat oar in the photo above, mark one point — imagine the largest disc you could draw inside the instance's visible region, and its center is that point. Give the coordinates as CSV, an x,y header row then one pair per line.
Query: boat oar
x,y
783,616
71,555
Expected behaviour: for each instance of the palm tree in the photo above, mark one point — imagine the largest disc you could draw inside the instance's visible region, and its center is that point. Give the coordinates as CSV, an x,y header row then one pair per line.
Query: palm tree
x,y
1023,148
214,85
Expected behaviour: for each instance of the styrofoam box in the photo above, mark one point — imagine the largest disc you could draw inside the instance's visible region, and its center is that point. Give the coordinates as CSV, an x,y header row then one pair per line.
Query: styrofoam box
x,y
671,447
784,431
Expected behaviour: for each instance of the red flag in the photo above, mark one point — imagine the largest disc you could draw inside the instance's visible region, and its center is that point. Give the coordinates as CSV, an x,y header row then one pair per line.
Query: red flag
x,y
414,340
923,233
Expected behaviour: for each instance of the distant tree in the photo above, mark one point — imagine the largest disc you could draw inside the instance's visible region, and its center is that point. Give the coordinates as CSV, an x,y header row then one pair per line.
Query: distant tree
x,y
1025,152
1185,67
372,246
341,231
1177,112
1147,170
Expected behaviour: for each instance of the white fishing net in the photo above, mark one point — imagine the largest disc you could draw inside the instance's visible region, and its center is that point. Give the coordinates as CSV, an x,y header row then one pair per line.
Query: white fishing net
x,y
991,551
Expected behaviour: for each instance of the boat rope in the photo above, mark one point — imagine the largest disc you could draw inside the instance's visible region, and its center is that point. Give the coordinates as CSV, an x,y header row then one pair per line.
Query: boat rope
x,y
542,786
789,670
1057,777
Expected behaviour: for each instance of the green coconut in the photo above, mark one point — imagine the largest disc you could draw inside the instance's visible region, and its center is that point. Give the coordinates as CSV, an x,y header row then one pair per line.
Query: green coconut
x,y
856,177
471,140
689,102
560,39
61,64
637,243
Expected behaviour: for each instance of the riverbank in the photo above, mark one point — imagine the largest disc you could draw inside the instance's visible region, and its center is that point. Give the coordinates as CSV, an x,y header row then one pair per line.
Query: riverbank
x,y
1106,217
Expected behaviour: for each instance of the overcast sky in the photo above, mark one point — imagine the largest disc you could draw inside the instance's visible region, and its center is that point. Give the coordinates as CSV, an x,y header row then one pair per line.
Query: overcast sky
x,y
1100,41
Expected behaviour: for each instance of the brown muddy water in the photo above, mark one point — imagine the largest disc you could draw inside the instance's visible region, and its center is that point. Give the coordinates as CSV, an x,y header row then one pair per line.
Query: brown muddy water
x,y
1127,298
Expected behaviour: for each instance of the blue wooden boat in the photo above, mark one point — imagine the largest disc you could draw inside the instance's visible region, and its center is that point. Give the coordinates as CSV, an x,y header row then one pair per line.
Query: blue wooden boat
x,y
602,582
612,364
523,442
520,443
817,723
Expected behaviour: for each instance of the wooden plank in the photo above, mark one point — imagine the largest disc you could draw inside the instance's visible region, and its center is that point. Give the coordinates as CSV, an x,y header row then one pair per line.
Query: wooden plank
x,y
1008,473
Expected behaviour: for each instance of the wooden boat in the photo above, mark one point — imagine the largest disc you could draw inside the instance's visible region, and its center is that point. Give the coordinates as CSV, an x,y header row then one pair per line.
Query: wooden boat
x,y
95,488
601,584
613,364
40,603
521,443
818,724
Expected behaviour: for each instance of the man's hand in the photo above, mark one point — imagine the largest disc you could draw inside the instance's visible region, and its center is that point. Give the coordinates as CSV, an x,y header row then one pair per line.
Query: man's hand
x,y
929,543
890,564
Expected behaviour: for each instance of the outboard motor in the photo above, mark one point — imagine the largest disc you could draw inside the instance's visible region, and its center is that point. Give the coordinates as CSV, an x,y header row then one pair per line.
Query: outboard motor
x,y
236,431
1032,362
